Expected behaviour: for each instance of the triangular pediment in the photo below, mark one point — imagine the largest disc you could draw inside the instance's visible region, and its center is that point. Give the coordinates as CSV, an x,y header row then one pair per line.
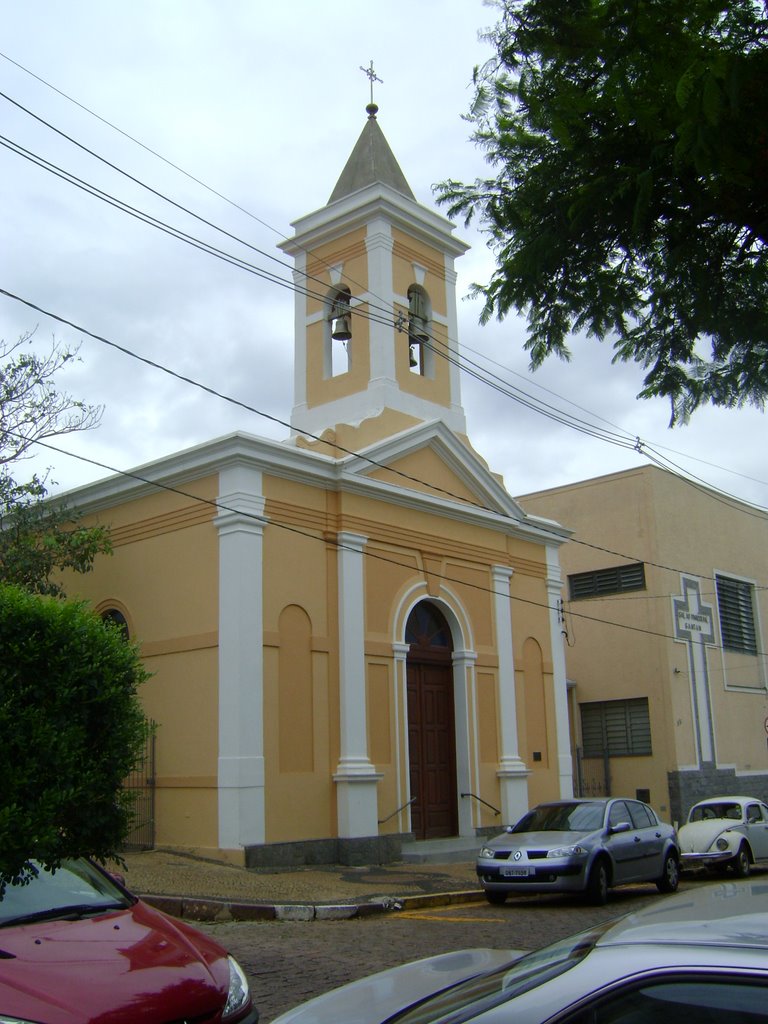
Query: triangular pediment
x,y
430,463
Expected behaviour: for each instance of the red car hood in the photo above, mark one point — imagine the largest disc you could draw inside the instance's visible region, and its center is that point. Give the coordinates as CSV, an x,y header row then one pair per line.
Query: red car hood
x,y
118,968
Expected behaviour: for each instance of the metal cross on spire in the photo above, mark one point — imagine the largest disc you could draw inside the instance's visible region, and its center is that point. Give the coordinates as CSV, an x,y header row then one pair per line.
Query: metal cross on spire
x,y
373,77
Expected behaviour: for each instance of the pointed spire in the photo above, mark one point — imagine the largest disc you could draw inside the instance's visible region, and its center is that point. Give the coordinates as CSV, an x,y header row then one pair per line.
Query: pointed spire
x,y
371,162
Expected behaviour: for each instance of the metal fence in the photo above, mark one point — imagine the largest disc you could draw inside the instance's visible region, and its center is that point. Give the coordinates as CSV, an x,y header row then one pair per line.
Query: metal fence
x,y
141,785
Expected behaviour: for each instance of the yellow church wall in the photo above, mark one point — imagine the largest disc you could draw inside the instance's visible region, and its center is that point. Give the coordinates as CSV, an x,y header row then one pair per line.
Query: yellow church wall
x,y
401,550
300,662
162,575
347,251
407,251
422,471
382,734
182,698
488,750
321,387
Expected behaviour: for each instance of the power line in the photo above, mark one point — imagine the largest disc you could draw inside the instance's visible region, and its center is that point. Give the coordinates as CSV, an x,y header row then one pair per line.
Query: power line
x,y
275,419
142,145
624,439
325,539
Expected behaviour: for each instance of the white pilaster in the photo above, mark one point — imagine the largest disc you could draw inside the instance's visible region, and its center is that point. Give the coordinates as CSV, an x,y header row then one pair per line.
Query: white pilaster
x,y
355,777
300,326
465,717
454,365
559,681
512,772
379,246
402,766
241,662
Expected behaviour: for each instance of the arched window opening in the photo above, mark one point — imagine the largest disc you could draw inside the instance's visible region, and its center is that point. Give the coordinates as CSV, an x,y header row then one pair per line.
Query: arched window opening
x,y
339,330
427,628
117,618
419,320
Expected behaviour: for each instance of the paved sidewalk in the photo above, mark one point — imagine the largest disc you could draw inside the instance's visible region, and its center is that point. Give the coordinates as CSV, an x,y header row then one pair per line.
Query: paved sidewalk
x,y
204,890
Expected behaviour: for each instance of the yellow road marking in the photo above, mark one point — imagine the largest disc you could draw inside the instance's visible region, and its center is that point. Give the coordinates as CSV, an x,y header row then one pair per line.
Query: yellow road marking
x,y
421,915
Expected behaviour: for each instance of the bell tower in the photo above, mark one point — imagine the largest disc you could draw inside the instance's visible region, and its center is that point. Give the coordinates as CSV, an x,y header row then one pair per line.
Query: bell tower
x,y
375,311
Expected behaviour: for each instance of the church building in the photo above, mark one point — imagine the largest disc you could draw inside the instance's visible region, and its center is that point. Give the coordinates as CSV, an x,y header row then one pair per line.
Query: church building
x,y
355,634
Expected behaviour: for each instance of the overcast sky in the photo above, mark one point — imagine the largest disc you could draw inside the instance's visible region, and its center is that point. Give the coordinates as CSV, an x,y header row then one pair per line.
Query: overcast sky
x,y
263,102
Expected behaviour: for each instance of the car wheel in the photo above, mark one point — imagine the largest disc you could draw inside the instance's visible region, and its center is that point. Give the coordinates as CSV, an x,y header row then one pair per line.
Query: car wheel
x,y
495,897
670,876
597,884
741,862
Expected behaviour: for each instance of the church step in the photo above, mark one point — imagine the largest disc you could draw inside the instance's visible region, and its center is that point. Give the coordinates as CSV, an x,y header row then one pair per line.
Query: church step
x,y
454,850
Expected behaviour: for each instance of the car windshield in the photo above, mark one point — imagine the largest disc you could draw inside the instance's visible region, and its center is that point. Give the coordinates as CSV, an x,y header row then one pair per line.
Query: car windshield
x,y
476,995
705,812
76,887
564,817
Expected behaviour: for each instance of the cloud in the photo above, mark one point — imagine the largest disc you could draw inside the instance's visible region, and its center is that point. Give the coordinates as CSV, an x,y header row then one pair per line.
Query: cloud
x,y
264,103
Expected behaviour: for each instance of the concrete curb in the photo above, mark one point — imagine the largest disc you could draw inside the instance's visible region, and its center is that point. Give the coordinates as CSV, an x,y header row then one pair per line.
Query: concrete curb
x,y
214,910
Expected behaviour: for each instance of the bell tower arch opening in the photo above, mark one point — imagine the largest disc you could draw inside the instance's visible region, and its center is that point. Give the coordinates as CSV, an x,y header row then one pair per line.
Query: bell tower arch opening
x,y
420,355
431,724
337,332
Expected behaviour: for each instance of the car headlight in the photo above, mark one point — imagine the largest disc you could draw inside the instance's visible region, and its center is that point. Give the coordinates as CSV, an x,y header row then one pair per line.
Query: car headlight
x,y
567,851
721,843
488,852
239,993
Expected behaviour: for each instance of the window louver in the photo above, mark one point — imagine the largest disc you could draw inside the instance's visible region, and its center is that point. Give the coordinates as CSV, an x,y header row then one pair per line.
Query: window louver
x,y
614,580
616,727
737,615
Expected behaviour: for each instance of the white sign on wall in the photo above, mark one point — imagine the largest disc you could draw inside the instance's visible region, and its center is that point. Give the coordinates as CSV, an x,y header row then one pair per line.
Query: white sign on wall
x,y
694,625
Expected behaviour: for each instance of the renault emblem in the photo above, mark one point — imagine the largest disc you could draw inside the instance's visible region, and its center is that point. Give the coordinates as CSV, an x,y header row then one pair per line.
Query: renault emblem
x,y
518,854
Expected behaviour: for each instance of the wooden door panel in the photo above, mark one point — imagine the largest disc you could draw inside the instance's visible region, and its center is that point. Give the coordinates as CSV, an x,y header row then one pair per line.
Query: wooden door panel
x,y
432,749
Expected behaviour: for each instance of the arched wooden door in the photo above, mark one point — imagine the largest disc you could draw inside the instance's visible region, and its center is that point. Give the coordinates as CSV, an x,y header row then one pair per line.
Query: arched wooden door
x,y
431,725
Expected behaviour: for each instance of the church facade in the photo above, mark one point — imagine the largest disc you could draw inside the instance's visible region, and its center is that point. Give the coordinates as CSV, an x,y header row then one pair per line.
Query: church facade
x,y
354,635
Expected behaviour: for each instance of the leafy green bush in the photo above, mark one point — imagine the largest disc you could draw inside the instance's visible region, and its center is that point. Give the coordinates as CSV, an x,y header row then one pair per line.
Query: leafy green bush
x,y
72,729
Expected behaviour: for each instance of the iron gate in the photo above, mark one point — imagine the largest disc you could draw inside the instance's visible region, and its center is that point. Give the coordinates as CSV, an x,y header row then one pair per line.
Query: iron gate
x,y
141,785
592,775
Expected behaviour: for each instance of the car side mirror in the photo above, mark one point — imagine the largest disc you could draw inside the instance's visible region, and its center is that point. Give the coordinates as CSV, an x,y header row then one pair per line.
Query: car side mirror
x,y
623,826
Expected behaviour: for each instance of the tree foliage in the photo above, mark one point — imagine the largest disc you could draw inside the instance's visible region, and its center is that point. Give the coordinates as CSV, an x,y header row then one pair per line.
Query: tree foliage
x,y
72,730
38,537
629,196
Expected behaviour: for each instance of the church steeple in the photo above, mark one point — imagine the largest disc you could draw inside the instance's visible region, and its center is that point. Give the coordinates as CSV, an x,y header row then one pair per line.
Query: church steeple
x,y
375,345
371,161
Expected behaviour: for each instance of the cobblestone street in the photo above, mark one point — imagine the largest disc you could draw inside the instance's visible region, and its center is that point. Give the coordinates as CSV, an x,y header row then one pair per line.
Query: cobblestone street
x,y
290,962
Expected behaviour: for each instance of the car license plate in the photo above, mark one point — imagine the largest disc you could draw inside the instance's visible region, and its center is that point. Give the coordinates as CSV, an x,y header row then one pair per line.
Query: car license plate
x,y
515,872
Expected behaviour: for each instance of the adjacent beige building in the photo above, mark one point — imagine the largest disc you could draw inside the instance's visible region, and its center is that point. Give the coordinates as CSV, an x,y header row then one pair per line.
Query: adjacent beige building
x,y
666,620
354,635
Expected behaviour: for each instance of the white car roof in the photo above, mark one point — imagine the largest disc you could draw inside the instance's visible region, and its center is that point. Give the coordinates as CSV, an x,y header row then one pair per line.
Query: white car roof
x,y
729,799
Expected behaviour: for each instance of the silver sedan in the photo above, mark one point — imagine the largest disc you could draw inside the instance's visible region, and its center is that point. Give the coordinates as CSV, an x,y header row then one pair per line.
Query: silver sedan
x,y
698,956
584,846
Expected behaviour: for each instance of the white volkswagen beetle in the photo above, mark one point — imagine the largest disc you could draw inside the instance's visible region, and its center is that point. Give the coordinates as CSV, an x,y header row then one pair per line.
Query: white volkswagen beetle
x,y
725,832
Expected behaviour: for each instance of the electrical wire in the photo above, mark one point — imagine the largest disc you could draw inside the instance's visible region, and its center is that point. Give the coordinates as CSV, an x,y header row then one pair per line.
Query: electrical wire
x,y
641,446
465,365
359,455
325,539
469,367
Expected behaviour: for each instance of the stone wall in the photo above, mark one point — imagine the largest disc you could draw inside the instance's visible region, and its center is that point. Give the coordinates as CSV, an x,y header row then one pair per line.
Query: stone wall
x,y
687,788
